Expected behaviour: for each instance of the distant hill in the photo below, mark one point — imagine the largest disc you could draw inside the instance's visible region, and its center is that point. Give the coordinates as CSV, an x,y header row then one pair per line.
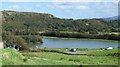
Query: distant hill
x,y
42,21
20,21
112,18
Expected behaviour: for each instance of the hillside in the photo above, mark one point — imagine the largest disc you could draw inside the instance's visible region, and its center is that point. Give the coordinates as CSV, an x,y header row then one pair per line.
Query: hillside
x,y
23,28
112,18
20,21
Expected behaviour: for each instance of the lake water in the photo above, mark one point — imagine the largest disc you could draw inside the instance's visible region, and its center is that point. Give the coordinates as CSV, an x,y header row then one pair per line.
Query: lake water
x,y
76,43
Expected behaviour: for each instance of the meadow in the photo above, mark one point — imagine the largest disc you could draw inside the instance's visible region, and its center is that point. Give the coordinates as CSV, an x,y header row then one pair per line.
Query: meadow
x,y
93,57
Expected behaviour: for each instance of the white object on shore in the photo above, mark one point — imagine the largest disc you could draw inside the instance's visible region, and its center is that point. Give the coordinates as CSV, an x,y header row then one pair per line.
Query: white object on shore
x,y
37,47
87,24
73,50
109,48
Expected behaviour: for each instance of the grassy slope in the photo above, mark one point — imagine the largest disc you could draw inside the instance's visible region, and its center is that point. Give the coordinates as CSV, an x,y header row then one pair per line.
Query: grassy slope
x,y
10,57
0,57
94,57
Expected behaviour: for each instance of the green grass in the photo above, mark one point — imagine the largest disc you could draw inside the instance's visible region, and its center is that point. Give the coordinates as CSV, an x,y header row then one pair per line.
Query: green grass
x,y
93,57
97,52
73,59
0,57
11,57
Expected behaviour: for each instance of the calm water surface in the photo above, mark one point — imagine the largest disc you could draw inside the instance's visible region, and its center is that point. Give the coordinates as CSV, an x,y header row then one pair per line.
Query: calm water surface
x,y
76,43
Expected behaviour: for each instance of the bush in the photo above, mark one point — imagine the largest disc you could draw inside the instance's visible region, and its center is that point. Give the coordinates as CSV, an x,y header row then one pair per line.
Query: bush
x,y
25,59
33,39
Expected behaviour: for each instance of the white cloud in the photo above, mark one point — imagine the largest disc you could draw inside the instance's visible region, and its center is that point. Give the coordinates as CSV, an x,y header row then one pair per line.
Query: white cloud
x,y
23,0
15,7
83,7
77,0
109,7
19,8
37,5
69,6
60,0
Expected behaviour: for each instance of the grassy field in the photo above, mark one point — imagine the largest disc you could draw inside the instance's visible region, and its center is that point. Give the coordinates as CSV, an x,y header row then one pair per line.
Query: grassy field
x,y
0,57
93,57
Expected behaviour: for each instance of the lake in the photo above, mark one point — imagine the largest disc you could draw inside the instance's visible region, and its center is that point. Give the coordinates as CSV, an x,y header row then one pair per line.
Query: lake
x,y
76,43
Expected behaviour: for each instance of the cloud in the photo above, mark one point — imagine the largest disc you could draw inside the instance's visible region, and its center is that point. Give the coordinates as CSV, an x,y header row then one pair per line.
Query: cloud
x,y
60,0
77,0
72,9
15,7
104,8
110,7
23,0
19,8
69,6
83,7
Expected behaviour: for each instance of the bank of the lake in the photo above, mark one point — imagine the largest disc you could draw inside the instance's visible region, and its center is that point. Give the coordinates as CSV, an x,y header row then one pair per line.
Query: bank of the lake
x,y
93,57
78,38
64,34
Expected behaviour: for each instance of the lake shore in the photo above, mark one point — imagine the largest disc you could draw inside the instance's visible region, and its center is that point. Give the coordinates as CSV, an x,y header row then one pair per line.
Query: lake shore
x,y
93,57
78,35
77,38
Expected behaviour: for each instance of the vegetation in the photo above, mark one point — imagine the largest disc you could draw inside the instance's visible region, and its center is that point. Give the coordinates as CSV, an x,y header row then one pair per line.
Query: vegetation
x,y
81,35
0,57
23,41
22,28
93,57
24,23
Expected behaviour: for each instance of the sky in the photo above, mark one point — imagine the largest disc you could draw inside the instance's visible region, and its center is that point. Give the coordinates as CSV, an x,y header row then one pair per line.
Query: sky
x,y
77,9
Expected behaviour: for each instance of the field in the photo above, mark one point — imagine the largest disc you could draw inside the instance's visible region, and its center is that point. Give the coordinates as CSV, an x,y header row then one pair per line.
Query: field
x,y
93,57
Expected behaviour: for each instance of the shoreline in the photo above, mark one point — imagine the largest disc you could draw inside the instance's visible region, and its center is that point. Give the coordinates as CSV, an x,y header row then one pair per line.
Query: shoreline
x,y
78,38
72,35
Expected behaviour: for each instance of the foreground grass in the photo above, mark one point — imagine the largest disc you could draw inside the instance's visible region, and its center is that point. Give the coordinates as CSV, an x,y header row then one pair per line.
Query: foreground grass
x,y
93,57
0,57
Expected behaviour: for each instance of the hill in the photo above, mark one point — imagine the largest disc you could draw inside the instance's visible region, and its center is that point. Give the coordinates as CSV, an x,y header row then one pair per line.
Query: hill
x,y
22,21
24,27
112,18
